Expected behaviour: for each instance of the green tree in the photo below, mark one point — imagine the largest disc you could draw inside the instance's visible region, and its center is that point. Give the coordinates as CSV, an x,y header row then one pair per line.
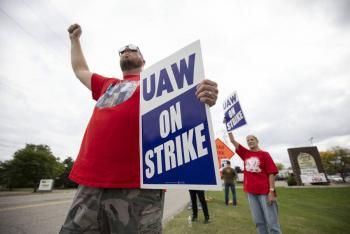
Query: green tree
x,y
6,178
280,166
63,180
35,162
336,160
327,157
9,176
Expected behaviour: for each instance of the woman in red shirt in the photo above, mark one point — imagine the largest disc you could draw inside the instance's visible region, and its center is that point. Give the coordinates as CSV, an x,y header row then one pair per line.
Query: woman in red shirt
x,y
259,184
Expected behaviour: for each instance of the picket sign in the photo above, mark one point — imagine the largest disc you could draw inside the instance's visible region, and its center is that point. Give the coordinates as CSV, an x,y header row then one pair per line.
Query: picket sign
x,y
233,112
177,148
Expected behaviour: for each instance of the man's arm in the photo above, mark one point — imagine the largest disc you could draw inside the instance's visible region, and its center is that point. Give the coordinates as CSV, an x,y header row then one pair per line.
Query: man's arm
x,y
79,64
234,174
272,192
223,173
233,141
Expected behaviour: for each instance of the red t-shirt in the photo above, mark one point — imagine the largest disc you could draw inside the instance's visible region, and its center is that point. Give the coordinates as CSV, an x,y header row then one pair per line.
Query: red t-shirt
x,y
109,152
257,167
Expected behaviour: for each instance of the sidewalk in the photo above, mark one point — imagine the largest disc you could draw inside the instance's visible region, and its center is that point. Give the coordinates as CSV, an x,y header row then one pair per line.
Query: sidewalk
x,y
175,201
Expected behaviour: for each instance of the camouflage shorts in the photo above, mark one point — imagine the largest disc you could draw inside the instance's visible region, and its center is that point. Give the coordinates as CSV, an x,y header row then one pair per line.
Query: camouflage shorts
x,y
97,210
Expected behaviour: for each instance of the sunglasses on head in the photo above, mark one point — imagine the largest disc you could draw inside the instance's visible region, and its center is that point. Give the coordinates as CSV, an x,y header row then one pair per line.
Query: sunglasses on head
x,y
129,47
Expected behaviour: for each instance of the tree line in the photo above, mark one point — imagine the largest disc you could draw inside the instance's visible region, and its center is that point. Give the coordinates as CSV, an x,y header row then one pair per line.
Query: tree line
x,y
336,161
33,163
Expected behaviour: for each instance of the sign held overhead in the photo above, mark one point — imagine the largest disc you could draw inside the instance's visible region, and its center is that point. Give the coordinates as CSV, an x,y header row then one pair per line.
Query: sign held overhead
x,y
233,112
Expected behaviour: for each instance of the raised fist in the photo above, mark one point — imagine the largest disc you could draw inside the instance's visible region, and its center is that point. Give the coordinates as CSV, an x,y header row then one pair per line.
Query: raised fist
x,y
74,31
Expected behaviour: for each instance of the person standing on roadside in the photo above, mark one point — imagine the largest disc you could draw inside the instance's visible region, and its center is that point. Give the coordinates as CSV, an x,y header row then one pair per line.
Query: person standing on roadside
x,y
259,184
109,198
201,197
229,176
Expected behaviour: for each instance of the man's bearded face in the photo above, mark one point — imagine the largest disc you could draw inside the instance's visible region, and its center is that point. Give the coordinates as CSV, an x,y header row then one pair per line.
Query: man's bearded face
x,y
131,60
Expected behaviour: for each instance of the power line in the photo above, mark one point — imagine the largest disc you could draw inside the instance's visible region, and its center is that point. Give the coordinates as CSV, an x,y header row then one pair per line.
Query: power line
x,y
59,38
29,34
311,140
18,25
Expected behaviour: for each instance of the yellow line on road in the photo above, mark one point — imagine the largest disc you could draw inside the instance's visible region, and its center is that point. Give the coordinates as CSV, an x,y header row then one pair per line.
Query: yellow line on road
x,y
35,205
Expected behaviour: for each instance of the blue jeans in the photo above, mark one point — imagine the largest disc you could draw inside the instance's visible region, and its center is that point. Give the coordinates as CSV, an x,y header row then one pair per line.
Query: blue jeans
x,y
233,190
265,216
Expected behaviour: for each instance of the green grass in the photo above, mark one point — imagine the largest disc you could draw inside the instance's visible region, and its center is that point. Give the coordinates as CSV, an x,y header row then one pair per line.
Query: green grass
x,y
301,210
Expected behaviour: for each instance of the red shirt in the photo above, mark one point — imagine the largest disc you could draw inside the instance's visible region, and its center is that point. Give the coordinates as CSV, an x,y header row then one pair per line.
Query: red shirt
x,y
109,152
257,167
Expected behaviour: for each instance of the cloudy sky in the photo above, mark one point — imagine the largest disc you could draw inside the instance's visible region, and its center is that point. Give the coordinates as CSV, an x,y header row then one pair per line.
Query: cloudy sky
x,y
288,60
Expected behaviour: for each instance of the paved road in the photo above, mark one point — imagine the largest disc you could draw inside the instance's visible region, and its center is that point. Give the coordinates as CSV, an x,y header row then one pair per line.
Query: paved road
x,y
45,213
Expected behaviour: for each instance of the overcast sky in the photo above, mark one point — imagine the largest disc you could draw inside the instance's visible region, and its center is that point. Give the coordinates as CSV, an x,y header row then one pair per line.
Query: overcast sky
x,y
288,60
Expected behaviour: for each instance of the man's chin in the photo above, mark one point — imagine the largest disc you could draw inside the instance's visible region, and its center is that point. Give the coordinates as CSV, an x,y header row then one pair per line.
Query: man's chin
x,y
129,66
128,69
251,147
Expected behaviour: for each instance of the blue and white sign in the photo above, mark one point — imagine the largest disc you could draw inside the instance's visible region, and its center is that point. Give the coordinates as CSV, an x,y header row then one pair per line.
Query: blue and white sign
x,y
176,142
233,112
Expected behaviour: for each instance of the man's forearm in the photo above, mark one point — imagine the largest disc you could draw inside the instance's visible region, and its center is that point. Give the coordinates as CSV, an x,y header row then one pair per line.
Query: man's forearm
x,y
232,139
77,57
272,181
79,65
272,192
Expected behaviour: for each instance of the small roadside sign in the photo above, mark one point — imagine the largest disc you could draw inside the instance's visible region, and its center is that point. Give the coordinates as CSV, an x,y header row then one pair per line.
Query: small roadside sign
x,y
46,185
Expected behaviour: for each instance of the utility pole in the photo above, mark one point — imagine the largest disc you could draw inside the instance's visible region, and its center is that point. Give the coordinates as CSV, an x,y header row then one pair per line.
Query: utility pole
x,y
311,139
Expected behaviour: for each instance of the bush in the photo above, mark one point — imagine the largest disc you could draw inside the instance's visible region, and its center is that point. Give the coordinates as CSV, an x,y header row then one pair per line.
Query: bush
x,y
291,180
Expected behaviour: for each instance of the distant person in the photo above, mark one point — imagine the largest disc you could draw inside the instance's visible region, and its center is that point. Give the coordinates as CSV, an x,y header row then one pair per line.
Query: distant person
x,y
109,198
201,197
259,184
229,176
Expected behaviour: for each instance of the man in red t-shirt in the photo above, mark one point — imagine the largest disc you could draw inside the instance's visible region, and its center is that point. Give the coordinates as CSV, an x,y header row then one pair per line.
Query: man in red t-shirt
x,y
107,169
259,184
